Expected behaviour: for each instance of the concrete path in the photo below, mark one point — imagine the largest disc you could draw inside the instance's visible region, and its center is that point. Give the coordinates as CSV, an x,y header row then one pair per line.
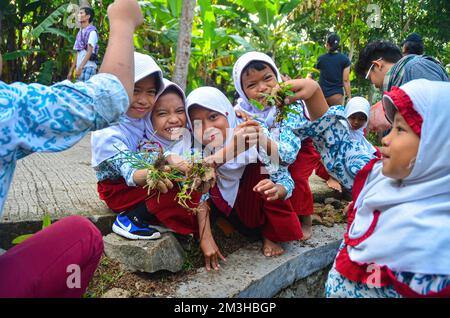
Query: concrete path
x,y
60,184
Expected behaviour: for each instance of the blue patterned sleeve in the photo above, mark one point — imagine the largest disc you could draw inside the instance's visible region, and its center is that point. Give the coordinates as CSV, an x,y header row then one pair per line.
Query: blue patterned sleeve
x,y
342,157
53,118
287,141
283,177
119,166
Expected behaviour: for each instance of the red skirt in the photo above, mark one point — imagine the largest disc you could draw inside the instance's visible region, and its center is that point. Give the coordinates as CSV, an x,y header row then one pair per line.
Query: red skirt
x,y
308,159
120,197
276,219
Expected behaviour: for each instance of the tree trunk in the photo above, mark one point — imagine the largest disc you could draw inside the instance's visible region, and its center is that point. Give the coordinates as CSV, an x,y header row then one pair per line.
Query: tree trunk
x,y
184,44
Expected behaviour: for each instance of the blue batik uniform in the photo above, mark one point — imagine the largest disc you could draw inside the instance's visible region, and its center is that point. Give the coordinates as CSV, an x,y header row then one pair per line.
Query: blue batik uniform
x,y
38,118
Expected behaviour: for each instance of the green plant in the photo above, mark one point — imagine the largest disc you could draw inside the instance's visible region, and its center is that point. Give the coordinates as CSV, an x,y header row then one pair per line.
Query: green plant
x,y
158,171
46,222
278,100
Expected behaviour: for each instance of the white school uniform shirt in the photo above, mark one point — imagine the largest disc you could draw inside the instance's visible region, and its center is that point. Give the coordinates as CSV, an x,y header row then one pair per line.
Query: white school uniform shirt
x,y
93,40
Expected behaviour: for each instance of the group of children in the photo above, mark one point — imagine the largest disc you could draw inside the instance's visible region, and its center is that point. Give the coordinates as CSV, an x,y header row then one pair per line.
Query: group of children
x,y
397,241
262,188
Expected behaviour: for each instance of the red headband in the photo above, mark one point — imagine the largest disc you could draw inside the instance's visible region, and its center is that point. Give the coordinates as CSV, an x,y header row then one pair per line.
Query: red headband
x,y
405,107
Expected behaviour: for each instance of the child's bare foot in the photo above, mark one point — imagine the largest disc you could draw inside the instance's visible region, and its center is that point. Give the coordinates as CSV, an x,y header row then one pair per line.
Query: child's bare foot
x,y
334,184
271,249
306,221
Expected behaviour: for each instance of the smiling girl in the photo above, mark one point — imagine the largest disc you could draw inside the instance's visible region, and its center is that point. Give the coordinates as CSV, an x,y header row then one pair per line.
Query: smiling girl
x,y
243,193
256,75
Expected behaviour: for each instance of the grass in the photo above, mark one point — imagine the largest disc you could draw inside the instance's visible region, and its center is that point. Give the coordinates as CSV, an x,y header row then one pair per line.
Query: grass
x,y
104,279
159,172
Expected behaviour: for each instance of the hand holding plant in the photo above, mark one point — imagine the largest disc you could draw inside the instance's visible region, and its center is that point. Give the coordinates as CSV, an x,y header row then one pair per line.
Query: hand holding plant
x,y
280,97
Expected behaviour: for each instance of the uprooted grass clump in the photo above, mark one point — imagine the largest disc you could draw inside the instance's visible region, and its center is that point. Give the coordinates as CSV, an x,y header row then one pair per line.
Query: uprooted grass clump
x,y
199,178
278,100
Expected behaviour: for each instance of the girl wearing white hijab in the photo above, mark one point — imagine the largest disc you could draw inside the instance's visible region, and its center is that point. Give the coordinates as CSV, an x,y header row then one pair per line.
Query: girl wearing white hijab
x,y
357,112
120,185
398,239
242,190
116,177
255,73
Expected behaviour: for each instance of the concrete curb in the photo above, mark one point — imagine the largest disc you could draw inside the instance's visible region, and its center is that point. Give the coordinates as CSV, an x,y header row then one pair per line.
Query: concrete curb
x,y
249,274
11,230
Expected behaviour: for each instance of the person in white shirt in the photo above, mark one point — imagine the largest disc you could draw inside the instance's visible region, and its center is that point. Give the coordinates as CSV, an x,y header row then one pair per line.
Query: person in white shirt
x,y
86,46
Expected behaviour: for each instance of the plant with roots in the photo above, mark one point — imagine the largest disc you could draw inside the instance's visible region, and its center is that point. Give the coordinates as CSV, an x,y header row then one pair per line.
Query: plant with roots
x,y
199,177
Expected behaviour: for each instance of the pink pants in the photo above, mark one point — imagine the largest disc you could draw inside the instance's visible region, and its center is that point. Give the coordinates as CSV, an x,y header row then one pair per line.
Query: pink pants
x,y
58,261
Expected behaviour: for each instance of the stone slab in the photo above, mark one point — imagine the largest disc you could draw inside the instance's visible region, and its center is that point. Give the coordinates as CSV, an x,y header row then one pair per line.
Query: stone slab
x,y
249,274
147,256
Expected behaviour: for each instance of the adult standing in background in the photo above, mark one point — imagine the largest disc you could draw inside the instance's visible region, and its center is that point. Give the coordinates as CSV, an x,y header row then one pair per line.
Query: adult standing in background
x,y
86,45
334,70
413,44
382,63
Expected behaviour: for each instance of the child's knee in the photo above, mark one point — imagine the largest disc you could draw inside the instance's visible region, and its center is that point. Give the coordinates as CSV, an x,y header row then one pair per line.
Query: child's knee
x,y
80,226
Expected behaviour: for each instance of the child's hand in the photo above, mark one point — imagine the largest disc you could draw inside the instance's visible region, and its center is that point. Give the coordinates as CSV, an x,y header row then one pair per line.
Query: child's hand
x,y
303,88
269,190
127,11
78,73
243,115
164,185
247,133
179,163
211,253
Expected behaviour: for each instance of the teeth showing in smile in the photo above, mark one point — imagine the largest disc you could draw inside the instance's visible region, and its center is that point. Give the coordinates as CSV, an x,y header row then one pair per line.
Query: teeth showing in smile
x,y
173,129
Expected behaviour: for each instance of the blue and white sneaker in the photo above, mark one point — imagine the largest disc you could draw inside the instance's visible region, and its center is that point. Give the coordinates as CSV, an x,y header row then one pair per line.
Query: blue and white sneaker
x,y
134,229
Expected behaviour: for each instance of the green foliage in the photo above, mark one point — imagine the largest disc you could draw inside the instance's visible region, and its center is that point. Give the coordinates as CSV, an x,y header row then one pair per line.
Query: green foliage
x,y
278,100
293,31
45,26
46,222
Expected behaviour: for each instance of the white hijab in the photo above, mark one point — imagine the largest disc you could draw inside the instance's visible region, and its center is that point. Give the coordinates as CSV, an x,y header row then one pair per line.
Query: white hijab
x,y
180,147
129,132
359,105
413,232
269,113
213,99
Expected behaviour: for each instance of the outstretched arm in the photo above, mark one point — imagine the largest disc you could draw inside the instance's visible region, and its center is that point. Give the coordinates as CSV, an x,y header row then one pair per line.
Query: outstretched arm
x,y
124,16
309,90
209,247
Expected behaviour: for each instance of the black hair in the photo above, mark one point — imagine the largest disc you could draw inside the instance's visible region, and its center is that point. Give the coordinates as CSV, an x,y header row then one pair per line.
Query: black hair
x,y
90,12
333,41
412,47
386,50
258,66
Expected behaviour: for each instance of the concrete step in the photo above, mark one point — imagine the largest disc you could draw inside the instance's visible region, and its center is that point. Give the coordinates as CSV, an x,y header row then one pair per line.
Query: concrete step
x,y
247,273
